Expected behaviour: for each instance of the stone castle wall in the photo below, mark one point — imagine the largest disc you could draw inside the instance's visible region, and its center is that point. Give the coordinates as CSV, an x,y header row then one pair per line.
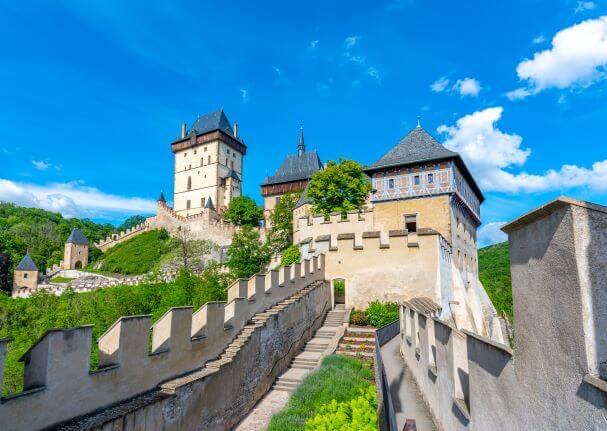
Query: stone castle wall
x,y
556,376
58,381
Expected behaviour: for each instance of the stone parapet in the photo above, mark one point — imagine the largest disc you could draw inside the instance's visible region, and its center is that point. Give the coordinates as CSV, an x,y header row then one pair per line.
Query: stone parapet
x,y
59,383
553,379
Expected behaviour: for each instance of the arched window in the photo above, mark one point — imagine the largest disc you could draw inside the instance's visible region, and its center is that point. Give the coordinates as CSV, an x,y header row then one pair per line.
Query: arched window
x,y
189,183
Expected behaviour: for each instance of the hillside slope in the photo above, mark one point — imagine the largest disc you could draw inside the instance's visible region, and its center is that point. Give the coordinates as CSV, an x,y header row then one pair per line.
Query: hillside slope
x,y
136,255
41,232
494,273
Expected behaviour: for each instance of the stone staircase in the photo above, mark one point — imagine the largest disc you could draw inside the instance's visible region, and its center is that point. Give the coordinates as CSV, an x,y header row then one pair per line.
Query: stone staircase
x,y
358,342
309,358
257,321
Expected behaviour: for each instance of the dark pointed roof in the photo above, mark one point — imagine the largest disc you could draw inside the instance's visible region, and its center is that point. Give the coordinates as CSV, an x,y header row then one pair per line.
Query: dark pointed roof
x,y
77,237
295,167
418,147
26,264
161,197
232,174
213,121
209,204
303,198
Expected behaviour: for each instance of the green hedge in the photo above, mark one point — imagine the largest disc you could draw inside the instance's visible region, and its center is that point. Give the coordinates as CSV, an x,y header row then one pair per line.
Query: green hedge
x,y
339,380
378,314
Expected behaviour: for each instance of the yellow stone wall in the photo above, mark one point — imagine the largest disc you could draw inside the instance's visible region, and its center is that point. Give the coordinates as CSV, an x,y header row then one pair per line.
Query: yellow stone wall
x,y
25,279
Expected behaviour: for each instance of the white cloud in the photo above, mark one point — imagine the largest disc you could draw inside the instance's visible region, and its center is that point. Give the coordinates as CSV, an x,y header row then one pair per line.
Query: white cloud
x,y
72,199
583,6
577,58
440,85
350,41
40,165
314,44
539,39
244,95
491,233
519,93
374,74
467,87
492,154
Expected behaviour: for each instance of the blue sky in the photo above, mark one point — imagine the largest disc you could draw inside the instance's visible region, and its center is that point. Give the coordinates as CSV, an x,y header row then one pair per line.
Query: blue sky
x,y
92,93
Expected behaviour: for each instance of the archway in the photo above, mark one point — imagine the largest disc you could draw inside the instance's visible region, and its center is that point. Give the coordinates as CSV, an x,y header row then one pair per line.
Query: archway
x,y
339,290
78,265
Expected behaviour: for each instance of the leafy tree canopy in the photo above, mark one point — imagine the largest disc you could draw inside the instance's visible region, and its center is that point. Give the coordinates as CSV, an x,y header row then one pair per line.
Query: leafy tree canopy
x,y
243,211
248,254
131,222
290,255
43,233
281,219
341,187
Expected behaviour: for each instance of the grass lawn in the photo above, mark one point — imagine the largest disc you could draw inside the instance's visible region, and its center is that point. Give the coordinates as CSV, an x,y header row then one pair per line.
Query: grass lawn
x,y
136,255
339,378
61,279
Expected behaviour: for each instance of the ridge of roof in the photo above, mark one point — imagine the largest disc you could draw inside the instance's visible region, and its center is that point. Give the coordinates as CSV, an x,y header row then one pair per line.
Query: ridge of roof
x,y
26,264
295,167
212,121
77,237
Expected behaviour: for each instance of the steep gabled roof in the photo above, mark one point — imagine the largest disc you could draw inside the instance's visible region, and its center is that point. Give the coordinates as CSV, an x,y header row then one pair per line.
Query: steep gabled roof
x,y
295,167
77,237
417,146
26,264
303,198
213,121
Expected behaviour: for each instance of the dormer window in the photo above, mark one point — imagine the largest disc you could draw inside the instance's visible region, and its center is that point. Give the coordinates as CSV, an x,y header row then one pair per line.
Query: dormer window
x,y
416,180
430,178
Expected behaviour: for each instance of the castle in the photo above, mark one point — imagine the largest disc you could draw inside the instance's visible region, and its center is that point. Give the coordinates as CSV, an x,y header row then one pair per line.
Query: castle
x,y
413,243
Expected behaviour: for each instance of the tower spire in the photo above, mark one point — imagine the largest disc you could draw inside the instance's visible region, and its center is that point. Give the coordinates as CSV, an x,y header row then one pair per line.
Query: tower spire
x,y
419,121
301,147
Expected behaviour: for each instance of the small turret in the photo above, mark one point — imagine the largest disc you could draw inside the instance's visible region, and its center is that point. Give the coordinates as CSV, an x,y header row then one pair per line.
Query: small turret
x,y
76,251
26,274
161,198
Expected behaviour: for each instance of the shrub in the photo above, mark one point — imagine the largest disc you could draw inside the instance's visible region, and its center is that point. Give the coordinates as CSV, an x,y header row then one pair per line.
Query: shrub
x,y
339,378
340,286
247,254
243,211
380,314
290,255
358,318
358,414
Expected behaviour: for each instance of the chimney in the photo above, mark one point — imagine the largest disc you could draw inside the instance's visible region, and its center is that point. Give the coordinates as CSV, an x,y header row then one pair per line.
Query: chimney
x,y
236,130
183,130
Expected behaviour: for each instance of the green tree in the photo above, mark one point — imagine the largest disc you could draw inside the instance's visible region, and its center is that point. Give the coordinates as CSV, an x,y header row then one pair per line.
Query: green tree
x,y
281,232
131,222
247,254
340,187
243,211
290,255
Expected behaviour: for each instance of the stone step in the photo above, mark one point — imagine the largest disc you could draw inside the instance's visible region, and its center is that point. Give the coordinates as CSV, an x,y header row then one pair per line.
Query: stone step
x,y
288,385
357,340
303,367
282,389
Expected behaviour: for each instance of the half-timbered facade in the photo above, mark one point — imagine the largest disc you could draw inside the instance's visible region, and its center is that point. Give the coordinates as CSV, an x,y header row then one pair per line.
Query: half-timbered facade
x,y
420,183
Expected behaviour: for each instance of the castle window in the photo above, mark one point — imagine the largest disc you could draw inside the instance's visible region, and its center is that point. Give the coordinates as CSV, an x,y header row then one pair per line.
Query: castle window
x,y
232,164
202,161
430,178
416,180
185,154
189,183
209,160
187,204
25,275
205,148
202,202
194,151
411,222
391,183
228,151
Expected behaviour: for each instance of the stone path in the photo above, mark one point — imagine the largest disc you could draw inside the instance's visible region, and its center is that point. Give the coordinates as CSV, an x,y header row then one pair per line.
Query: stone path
x,y
301,365
406,398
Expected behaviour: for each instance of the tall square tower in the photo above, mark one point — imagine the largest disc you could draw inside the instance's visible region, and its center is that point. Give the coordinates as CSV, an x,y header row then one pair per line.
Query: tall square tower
x,y
208,165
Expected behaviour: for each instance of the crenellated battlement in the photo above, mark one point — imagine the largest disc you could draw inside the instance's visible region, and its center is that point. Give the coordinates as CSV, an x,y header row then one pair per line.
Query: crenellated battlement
x,y
555,377
313,226
58,377
117,238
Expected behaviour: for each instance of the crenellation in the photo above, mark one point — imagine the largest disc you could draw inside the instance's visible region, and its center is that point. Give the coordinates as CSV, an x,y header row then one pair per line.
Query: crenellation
x,y
172,332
